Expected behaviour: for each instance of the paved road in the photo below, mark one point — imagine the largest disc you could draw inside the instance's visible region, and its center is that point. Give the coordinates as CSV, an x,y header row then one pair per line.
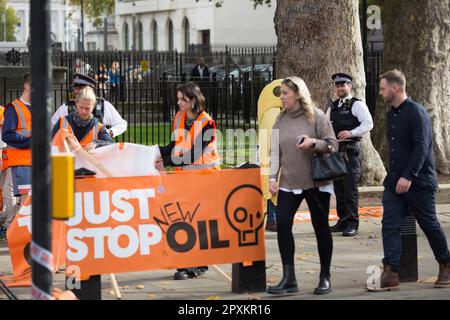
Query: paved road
x,y
351,258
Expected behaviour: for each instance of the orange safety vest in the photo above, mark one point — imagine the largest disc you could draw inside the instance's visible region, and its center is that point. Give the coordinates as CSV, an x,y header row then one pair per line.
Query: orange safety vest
x,y
5,164
184,142
2,116
92,135
19,157
3,151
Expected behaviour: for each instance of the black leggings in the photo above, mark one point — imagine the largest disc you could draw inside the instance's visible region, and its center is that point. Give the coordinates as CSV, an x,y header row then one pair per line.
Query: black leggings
x,y
319,206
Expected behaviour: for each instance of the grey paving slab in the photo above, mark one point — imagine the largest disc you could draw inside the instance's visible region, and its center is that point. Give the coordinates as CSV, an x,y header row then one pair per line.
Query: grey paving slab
x,y
351,258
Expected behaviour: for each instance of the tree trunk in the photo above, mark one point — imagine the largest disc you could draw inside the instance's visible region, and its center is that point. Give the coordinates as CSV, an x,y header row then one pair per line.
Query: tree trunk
x,y
417,41
317,39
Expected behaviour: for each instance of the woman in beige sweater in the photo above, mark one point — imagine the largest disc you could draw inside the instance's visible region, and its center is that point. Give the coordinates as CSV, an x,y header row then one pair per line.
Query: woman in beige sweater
x,y
300,131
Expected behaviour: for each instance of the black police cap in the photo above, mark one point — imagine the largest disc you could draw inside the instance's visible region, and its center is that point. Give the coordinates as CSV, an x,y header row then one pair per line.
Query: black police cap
x,y
83,80
341,78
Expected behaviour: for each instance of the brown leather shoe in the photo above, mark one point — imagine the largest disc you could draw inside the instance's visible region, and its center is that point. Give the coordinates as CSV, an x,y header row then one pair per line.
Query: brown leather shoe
x,y
443,280
389,281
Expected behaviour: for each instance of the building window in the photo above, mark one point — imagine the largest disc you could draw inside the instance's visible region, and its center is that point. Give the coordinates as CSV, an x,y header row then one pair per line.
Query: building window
x,y
140,36
170,29
91,46
126,38
187,34
155,35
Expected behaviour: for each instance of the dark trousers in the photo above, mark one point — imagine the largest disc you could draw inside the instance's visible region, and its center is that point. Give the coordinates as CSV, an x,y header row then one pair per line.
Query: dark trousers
x,y
319,205
346,190
422,206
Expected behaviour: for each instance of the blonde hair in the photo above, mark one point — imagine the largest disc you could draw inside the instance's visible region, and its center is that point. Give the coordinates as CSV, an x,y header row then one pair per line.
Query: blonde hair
x,y
297,85
87,93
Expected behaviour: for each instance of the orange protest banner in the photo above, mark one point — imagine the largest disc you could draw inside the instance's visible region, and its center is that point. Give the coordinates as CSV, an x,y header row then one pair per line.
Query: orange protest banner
x,y
165,222
19,240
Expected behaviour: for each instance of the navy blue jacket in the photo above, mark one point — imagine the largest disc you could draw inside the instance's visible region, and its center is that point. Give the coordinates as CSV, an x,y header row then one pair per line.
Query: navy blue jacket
x,y
9,134
410,139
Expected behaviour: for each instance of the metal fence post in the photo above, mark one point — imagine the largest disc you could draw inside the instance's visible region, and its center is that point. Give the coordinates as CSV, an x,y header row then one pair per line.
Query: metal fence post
x,y
41,244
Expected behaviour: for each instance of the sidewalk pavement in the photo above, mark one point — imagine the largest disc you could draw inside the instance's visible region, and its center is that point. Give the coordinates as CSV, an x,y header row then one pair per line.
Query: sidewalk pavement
x,y
351,258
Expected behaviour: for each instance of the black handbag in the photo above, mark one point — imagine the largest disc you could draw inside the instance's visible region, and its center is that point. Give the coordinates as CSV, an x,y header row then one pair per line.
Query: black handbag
x,y
329,167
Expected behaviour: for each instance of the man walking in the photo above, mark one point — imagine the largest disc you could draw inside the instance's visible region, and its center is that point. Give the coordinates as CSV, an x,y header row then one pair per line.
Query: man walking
x,y
411,182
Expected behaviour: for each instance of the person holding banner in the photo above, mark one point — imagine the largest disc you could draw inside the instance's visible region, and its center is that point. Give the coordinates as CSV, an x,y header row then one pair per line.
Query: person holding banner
x,y
89,132
300,131
193,145
104,111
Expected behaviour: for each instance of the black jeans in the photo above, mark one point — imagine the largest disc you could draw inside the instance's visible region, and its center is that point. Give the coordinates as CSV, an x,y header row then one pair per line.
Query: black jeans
x,y
422,205
346,190
319,206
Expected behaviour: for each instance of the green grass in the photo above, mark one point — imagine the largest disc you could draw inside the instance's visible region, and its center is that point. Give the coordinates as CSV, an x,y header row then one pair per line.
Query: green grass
x,y
160,135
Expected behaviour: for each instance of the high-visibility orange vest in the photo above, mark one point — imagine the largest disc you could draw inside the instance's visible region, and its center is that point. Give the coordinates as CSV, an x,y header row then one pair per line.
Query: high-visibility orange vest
x,y
184,142
20,157
2,116
5,164
3,151
92,135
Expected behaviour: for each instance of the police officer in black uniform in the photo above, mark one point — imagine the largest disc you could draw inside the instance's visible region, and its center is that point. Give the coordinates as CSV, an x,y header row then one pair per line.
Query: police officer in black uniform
x,y
351,119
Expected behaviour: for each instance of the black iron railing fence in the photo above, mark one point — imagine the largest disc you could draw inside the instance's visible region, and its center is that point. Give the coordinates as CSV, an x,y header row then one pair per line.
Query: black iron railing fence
x,y
145,85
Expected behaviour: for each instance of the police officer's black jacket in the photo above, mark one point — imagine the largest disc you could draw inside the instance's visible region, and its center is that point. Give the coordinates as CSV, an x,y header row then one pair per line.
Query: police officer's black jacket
x,y
343,119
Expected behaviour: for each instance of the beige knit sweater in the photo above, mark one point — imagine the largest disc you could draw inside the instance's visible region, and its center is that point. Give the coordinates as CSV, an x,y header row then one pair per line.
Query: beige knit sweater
x,y
295,164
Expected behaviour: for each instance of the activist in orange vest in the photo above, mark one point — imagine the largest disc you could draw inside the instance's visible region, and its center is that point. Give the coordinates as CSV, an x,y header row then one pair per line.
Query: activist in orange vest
x,y
89,132
193,146
194,134
16,134
2,144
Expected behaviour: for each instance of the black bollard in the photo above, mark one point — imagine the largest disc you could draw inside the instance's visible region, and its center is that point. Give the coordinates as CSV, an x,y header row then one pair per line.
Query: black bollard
x,y
248,279
90,289
408,263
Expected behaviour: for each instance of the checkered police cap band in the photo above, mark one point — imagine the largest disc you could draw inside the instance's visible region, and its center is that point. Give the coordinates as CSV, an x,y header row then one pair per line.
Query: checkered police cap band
x,y
341,79
81,82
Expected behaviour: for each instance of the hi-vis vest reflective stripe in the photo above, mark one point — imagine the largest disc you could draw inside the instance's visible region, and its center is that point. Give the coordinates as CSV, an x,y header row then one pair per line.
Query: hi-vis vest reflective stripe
x,y
2,116
90,136
20,157
184,142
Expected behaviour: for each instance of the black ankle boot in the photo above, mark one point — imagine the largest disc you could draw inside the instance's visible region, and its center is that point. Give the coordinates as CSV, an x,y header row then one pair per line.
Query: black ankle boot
x,y
324,286
288,284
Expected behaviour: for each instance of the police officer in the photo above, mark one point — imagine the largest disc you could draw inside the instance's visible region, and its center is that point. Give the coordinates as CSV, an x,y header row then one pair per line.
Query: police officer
x,y
351,119
104,111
